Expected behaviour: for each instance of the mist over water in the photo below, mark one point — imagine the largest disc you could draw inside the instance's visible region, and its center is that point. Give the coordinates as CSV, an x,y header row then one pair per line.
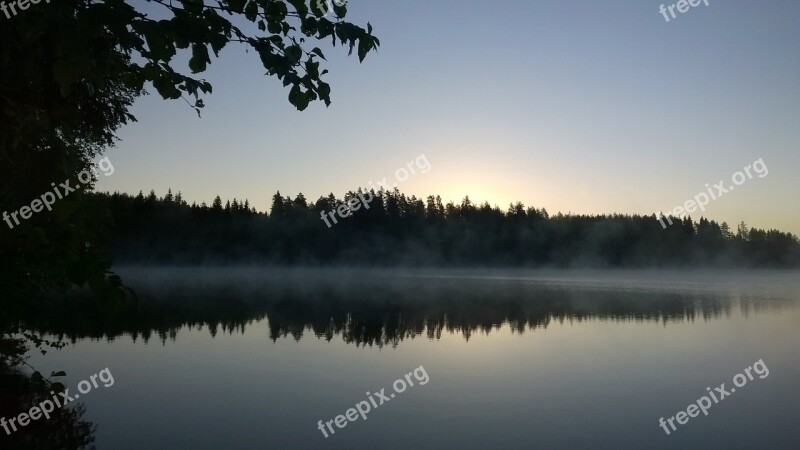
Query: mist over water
x,y
386,306
516,358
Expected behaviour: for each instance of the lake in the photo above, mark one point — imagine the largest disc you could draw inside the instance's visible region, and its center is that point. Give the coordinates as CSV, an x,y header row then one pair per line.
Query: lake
x,y
254,358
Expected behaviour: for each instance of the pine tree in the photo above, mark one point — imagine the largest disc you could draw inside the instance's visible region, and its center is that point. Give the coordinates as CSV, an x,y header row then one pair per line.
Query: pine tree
x,y
217,205
277,210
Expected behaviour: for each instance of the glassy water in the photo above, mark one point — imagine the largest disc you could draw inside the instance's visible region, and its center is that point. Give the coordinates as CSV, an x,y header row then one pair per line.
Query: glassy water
x,y
254,358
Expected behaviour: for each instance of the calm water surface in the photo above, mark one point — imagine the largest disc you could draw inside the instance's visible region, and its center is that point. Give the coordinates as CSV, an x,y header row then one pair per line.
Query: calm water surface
x,y
254,358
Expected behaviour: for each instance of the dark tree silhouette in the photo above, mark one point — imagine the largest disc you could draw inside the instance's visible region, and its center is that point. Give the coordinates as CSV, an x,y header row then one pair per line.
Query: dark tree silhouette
x,y
68,76
398,231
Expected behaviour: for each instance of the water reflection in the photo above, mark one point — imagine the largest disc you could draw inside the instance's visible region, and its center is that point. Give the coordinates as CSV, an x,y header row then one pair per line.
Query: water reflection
x,y
640,346
376,309
64,429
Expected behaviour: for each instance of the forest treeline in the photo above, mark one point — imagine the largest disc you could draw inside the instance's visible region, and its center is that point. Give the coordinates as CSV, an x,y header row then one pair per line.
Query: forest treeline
x,y
398,230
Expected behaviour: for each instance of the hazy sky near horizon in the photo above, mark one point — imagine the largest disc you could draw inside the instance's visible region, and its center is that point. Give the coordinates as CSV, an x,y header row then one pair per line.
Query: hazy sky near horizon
x,y
573,105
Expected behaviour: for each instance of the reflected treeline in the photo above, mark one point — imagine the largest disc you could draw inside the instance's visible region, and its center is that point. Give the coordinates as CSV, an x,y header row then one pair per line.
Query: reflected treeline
x,y
373,310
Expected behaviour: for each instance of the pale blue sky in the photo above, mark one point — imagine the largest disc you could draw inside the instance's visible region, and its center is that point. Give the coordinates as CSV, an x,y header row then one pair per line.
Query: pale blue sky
x,y
573,105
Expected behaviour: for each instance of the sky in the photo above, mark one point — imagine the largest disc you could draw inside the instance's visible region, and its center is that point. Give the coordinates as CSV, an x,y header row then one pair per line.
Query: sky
x,y
577,106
